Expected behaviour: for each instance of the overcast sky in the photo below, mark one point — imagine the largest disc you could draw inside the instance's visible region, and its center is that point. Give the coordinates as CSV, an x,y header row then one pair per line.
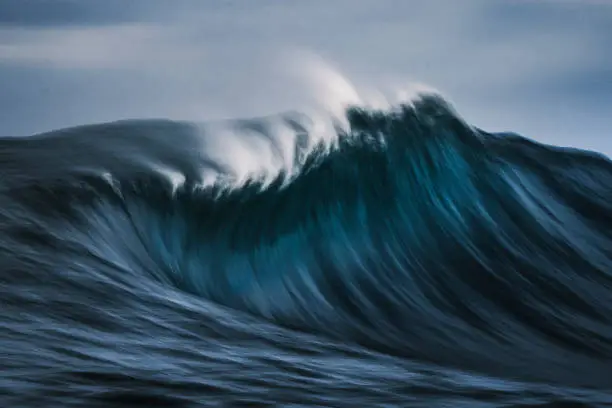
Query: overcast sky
x,y
541,68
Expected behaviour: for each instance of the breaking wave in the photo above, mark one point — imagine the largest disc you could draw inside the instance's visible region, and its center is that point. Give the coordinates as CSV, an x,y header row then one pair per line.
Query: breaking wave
x,y
386,257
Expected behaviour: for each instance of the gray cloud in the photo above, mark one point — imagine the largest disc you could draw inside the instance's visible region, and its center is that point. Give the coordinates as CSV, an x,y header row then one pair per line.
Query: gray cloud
x,y
48,13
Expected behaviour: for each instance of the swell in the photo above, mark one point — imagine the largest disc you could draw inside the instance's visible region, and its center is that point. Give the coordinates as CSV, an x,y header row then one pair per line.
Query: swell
x,y
417,236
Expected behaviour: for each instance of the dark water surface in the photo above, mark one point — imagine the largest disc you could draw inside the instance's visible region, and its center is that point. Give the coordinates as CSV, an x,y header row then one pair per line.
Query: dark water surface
x,y
420,262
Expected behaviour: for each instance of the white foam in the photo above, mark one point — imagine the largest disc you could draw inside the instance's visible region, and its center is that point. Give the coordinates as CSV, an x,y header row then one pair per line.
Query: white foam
x,y
176,178
250,156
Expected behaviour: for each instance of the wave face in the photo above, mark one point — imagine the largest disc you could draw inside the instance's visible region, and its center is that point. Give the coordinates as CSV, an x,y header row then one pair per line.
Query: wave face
x,y
409,259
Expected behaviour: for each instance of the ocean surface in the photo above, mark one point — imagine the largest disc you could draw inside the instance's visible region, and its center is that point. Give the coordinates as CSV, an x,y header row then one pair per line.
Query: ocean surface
x,y
390,258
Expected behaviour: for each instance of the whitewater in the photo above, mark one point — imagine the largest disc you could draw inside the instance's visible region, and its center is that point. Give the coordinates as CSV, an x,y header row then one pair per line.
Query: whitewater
x,y
369,252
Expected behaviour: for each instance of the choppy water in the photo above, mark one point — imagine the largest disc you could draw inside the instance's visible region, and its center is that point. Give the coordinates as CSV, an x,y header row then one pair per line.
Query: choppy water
x,y
404,260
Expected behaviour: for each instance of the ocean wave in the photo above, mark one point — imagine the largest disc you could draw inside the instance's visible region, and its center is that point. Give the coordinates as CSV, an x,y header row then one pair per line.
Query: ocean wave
x,y
193,263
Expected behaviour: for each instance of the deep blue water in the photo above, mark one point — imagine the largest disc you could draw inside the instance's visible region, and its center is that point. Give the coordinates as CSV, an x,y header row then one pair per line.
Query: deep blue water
x,y
417,261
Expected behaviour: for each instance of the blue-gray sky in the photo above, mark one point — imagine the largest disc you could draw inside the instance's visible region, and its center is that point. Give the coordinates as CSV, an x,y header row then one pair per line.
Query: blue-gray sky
x,y
542,68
